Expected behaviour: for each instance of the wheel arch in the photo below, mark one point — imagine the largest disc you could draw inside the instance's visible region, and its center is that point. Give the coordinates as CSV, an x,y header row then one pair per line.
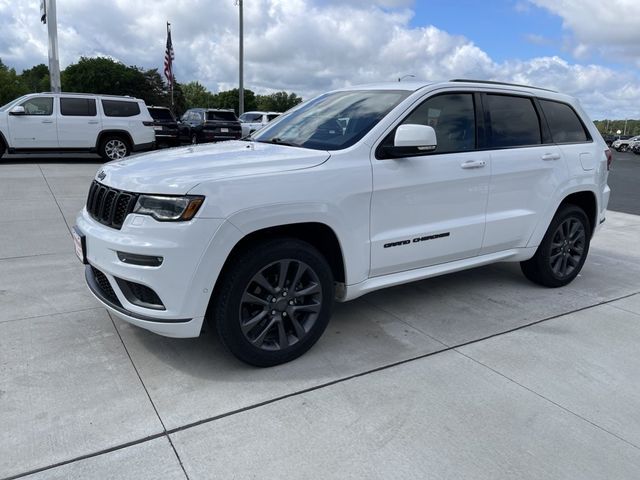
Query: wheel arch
x,y
319,235
587,201
116,133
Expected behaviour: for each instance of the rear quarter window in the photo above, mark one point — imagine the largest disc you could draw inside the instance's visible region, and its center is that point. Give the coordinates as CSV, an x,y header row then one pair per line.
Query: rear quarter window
x,y
78,107
564,123
120,108
514,121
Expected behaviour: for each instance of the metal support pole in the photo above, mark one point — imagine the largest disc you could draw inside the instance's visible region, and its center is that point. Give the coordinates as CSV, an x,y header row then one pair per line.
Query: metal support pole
x,y
241,57
54,61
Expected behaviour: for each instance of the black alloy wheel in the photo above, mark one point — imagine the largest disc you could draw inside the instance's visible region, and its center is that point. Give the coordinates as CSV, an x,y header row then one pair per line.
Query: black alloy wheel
x,y
273,301
563,250
280,305
567,247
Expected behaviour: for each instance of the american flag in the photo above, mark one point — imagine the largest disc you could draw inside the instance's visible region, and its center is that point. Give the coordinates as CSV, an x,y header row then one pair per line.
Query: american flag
x,y
168,58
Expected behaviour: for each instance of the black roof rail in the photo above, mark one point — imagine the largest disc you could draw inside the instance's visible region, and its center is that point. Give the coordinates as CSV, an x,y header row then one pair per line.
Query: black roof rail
x,y
491,82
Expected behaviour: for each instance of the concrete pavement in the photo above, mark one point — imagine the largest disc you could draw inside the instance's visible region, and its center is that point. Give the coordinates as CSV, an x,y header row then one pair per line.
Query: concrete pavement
x,y
479,374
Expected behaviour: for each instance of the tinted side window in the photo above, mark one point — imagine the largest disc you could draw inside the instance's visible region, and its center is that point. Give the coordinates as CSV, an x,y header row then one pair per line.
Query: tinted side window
x,y
564,123
120,108
514,121
453,118
78,107
271,117
38,106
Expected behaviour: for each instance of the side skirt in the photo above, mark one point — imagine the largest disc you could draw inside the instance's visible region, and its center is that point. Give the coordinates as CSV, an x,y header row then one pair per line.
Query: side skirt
x,y
350,292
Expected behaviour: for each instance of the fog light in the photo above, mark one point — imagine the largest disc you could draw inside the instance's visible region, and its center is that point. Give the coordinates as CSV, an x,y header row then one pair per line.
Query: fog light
x,y
142,260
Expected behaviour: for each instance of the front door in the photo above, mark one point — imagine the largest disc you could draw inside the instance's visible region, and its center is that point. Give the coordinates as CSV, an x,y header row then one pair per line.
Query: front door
x,y
37,127
430,209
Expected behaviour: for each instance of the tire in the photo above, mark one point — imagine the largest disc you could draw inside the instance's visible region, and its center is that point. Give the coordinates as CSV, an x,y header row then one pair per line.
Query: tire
x,y
260,317
563,250
194,139
623,148
3,149
114,147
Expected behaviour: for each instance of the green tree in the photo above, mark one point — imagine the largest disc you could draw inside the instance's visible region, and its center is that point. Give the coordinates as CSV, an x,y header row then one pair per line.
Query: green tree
x,y
231,99
36,79
278,102
11,85
104,75
196,95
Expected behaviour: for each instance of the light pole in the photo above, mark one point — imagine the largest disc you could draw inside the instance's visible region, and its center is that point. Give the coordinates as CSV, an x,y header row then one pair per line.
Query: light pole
x,y
405,76
241,58
48,15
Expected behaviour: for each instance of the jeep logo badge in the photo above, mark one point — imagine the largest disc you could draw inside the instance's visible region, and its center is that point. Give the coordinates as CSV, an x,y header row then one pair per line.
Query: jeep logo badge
x,y
101,175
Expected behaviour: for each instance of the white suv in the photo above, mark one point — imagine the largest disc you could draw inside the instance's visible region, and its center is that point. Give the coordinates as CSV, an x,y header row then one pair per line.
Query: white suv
x,y
260,236
72,122
252,121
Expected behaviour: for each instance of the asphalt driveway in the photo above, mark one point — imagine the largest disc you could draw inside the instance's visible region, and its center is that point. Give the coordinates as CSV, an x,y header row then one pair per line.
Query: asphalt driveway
x,y
479,374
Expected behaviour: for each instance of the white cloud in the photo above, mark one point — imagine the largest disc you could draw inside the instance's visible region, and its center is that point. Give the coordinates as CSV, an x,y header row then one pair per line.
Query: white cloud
x,y
606,27
295,45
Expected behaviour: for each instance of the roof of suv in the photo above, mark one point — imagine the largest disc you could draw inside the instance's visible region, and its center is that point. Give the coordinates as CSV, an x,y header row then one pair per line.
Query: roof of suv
x,y
413,86
128,97
200,109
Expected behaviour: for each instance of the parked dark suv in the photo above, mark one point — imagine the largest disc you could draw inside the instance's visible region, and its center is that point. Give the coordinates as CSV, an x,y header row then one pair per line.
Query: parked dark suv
x,y
165,125
201,125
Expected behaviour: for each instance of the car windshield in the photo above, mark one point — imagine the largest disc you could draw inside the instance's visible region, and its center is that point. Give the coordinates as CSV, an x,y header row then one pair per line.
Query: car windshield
x,y
222,116
160,114
332,121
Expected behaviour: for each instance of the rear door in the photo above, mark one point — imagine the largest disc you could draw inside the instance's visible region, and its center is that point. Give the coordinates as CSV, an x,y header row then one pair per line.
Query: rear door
x,y
37,127
78,123
526,170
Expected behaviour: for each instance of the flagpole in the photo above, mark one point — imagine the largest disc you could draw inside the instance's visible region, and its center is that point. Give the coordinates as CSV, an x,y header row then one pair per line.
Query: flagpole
x,y
172,76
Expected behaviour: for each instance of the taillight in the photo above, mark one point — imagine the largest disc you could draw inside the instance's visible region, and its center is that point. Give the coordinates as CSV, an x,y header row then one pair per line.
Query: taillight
x,y
607,152
147,124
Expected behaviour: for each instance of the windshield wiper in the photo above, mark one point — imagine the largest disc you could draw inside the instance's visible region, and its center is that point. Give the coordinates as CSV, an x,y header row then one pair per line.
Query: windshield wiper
x,y
277,141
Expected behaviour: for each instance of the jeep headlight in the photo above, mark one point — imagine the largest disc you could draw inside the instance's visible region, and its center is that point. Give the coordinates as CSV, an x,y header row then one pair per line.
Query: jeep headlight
x,y
168,208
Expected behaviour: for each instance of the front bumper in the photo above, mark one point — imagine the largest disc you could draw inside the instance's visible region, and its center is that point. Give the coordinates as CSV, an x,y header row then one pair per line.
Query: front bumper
x,y
183,293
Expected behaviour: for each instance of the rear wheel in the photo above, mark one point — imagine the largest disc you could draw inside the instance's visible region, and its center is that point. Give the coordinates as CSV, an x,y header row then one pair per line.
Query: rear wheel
x,y
275,302
3,149
114,148
563,250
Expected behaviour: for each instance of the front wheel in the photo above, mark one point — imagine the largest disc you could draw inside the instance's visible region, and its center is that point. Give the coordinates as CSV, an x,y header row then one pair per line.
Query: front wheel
x,y
274,303
563,249
2,149
623,148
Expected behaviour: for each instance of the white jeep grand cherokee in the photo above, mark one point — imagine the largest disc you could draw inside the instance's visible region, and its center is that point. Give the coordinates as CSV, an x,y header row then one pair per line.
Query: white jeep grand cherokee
x,y
355,190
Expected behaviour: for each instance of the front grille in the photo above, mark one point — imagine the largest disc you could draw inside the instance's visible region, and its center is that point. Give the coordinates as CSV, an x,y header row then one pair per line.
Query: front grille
x,y
105,286
110,206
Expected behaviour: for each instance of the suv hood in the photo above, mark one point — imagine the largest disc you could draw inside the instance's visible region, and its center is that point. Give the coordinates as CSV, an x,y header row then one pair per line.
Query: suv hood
x,y
175,171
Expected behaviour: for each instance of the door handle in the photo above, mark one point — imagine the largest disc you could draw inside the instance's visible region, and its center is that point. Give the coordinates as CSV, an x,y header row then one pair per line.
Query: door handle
x,y
473,164
551,156
47,121
93,122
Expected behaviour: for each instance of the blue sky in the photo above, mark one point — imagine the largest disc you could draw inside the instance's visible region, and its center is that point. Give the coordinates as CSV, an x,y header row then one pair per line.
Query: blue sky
x,y
499,27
